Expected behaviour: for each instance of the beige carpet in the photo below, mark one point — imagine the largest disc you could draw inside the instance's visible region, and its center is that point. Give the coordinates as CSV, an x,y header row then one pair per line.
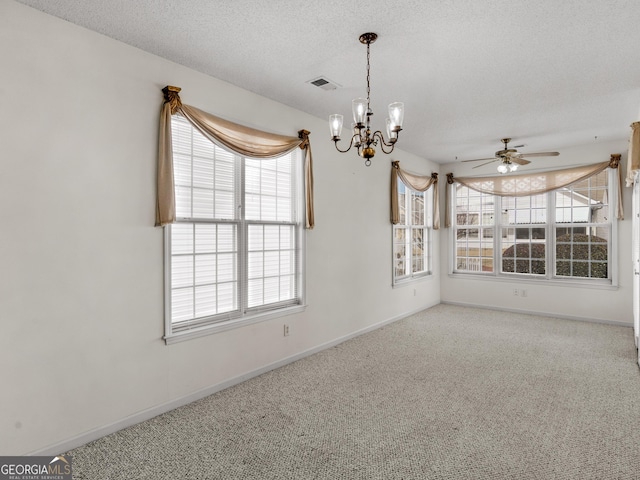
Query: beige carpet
x,y
449,393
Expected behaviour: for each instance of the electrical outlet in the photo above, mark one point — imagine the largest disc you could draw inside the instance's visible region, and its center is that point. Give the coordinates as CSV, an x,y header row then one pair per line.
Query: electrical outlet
x,y
523,293
414,292
515,292
286,330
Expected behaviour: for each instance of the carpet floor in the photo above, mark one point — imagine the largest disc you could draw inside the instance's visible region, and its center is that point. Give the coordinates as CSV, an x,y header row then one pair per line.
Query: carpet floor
x,y
448,393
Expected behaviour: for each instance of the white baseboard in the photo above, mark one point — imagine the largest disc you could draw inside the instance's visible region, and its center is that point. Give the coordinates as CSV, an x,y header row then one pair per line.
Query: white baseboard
x,y
541,314
149,413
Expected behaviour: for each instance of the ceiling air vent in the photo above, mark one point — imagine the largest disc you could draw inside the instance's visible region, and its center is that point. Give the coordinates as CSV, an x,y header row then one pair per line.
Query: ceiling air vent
x,y
324,83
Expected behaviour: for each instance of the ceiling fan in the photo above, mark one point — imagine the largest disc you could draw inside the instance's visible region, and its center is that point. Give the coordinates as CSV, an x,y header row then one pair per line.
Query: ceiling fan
x,y
509,158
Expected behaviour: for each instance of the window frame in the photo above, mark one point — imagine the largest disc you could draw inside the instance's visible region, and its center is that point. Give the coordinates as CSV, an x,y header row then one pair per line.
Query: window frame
x,y
550,276
243,315
409,227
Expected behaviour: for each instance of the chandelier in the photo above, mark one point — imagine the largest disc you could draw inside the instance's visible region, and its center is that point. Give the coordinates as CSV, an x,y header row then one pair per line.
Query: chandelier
x,y
363,140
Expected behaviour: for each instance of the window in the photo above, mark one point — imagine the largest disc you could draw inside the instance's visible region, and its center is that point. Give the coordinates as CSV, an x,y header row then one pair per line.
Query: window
x,y
561,234
412,235
474,230
234,252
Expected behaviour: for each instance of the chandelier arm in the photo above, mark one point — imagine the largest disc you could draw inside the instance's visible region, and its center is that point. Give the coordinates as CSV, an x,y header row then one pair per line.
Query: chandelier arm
x,y
348,148
378,134
386,151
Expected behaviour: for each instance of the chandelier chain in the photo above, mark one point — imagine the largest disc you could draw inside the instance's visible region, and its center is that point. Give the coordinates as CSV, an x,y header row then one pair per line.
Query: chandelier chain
x,y
368,81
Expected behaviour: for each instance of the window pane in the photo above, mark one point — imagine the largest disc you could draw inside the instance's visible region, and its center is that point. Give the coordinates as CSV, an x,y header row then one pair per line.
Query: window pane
x,y
523,250
582,252
205,269
183,201
204,175
181,271
227,297
227,238
196,277
400,251
181,238
205,237
226,267
205,301
203,172
269,189
402,202
524,210
418,253
202,202
224,204
182,170
182,304
585,201
417,208
271,290
271,264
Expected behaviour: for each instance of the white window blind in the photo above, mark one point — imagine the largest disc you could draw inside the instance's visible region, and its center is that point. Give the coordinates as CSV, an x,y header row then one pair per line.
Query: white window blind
x,y
235,249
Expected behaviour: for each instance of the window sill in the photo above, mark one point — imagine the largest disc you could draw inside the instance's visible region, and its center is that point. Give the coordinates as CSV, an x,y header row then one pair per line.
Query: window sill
x,y
230,324
412,280
531,280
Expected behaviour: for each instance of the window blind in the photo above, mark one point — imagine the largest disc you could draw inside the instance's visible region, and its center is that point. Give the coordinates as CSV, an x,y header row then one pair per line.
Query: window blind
x,y
234,250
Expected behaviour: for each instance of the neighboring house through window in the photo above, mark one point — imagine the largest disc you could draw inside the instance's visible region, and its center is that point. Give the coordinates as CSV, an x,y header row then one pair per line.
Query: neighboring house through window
x,y
562,234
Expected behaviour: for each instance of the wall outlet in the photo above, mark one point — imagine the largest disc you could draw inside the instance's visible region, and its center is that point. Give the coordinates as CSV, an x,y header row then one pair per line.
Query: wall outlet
x,y
286,330
414,292
523,293
515,292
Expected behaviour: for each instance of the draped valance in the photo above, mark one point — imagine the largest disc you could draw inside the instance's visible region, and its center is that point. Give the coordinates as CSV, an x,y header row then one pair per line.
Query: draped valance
x,y
237,138
534,183
419,183
633,159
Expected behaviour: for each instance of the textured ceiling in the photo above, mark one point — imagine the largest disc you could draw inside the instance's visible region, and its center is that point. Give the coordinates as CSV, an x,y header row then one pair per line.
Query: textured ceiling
x,y
549,74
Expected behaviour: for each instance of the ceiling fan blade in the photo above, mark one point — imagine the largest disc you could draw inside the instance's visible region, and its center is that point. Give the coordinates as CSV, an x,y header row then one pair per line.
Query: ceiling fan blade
x,y
538,154
519,160
479,159
487,163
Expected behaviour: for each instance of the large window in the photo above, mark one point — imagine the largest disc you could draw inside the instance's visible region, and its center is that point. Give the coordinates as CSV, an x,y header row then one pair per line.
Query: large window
x,y
234,252
412,235
556,235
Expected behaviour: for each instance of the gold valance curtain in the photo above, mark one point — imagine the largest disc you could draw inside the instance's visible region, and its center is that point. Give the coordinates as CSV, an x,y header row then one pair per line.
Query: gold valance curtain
x,y
231,136
533,183
633,160
420,183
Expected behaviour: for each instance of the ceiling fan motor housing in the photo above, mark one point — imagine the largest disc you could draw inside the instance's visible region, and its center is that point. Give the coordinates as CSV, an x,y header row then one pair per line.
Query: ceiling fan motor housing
x,y
506,152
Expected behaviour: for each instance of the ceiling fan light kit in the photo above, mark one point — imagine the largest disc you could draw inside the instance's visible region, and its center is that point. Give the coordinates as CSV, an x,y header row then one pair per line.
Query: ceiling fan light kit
x,y
362,139
509,158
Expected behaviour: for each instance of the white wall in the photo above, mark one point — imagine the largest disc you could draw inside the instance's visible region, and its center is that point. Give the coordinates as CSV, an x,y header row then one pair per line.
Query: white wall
x,y
601,304
81,292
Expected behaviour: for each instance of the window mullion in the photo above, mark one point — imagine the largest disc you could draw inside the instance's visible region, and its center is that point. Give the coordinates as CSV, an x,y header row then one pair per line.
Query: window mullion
x,y
193,231
551,235
497,235
408,241
242,238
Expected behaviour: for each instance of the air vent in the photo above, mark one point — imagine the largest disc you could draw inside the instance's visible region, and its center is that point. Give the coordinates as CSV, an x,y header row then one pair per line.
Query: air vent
x,y
324,83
